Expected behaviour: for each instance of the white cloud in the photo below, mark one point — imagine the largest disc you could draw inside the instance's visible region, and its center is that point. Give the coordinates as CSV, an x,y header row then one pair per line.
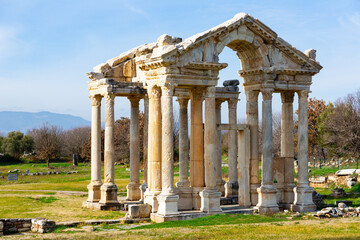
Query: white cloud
x,y
10,43
355,19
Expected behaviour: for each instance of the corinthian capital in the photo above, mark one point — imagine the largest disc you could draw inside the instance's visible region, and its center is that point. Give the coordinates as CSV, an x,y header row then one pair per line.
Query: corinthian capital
x,y
109,99
134,101
210,92
252,96
287,97
154,92
196,93
267,94
96,100
168,90
183,102
303,95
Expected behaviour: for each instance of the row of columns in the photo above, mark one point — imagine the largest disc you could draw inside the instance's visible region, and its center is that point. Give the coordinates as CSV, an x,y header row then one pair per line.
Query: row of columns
x,y
296,198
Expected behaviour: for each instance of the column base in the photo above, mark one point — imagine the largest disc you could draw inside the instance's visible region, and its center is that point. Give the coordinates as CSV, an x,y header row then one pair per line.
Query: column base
x,y
303,199
254,196
210,201
231,189
289,195
94,193
133,192
196,199
108,199
168,204
185,198
182,184
150,198
220,186
267,204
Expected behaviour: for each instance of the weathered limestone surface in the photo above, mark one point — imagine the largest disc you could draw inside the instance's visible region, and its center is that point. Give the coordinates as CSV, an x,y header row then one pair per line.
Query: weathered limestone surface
x,y
231,187
189,69
133,188
267,192
154,147
95,184
303,192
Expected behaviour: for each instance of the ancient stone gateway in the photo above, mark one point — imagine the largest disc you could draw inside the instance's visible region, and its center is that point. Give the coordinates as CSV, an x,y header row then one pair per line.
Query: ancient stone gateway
x,y
188,70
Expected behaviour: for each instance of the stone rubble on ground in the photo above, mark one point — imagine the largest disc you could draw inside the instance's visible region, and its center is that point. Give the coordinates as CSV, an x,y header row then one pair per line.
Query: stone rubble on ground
x,y
42,225
341,211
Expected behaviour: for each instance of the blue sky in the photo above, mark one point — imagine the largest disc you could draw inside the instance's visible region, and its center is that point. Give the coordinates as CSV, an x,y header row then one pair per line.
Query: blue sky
x,y
46,47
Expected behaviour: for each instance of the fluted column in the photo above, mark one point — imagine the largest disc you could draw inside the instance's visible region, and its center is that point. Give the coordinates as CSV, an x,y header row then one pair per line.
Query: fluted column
x,y
267,192
231,187
95,184
252,120
183,143
109,189
144,185
133,190
196,145
210,197
219,181
287,146
167,198
154,147
303,192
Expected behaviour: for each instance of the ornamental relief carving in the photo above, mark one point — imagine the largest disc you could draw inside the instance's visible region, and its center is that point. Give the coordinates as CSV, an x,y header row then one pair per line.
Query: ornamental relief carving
x,y
96,100
303,95
167,90
267,94
154,92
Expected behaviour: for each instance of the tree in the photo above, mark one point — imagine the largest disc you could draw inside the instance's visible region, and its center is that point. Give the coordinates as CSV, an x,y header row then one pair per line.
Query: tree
x,y
73,140
342,126
315,108
17,143
47,141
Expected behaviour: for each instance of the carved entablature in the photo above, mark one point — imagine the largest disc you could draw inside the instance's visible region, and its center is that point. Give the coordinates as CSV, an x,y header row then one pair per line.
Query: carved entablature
x,y
194,61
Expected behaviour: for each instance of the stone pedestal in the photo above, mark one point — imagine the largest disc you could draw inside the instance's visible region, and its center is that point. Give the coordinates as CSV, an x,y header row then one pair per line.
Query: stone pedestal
x,y
210,201
168,205
108,199
185,198
267,200
303,199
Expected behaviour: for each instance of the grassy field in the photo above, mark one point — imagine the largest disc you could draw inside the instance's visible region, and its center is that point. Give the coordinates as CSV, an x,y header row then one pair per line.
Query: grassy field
x,y
46,196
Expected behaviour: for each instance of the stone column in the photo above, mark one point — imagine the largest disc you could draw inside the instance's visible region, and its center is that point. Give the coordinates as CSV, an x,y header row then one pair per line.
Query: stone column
x,y
303,192
183,143
267,192
108,199
231,187
210,197
154,147
244,167
145,147
133,190
253,121
167,198
219,181
196,146
95,184
287,147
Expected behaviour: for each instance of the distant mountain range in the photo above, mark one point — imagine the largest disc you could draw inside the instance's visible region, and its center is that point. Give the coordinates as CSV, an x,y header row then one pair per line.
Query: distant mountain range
x,y
24,121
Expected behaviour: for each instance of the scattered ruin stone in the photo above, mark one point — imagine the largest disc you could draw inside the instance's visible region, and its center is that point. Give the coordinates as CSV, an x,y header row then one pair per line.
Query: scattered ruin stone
x,y
138,211
338,193
42,225
318,200
347,203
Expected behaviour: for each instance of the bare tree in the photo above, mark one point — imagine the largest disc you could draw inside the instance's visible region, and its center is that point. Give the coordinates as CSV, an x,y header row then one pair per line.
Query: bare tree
x,y
47,141
73,140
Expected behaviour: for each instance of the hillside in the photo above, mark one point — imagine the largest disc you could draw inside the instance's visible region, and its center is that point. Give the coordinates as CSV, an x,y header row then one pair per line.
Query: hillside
x,y
24,121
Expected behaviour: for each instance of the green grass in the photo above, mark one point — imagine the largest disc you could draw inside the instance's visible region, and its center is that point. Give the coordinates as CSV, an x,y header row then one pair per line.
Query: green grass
x,y
217,220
